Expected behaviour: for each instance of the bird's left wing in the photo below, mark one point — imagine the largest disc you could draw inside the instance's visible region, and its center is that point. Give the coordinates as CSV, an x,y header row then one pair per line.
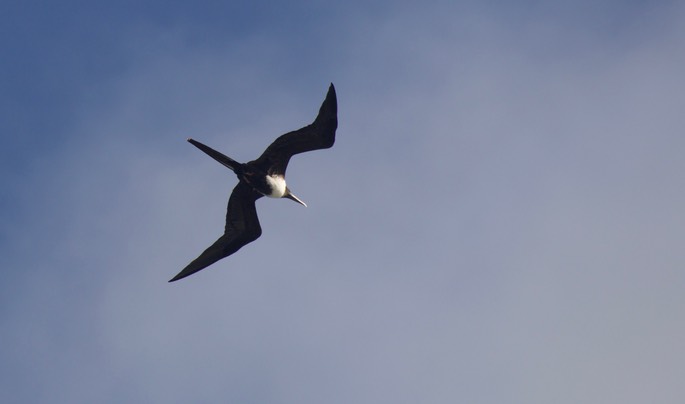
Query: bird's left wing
x,y
242,227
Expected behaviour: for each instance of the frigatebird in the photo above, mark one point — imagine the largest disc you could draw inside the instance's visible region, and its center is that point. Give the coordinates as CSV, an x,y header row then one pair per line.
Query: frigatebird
x,y
260,177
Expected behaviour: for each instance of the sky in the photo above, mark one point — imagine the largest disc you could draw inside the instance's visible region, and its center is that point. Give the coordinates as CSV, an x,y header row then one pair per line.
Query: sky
x,y
500,220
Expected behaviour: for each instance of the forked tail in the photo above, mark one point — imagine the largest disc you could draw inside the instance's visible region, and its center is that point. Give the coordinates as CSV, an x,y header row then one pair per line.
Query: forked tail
x,y
220,157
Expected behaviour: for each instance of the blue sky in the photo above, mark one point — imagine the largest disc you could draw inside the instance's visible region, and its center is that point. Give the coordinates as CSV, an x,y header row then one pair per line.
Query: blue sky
x,y
500,220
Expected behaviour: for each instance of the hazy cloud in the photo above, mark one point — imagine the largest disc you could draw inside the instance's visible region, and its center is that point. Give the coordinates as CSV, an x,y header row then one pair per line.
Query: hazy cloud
x,y
500,219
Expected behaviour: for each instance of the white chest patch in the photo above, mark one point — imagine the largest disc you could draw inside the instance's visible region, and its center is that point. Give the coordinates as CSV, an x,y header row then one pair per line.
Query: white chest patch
x,y
277,185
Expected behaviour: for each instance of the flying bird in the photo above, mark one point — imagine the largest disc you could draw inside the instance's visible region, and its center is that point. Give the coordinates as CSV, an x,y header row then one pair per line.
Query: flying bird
x,y
260,177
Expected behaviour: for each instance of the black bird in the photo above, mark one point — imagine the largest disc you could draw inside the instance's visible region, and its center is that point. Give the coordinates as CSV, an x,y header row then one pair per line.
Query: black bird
x,y
263,176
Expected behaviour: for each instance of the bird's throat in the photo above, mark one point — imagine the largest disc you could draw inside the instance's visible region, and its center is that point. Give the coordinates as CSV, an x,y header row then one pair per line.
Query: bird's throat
x,y
277,185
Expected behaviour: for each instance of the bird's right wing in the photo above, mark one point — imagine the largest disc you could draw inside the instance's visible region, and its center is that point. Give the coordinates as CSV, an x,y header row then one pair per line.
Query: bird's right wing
x,y
319,135
242,227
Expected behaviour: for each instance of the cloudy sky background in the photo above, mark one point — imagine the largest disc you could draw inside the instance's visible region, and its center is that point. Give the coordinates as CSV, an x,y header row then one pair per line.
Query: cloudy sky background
x,y
500,221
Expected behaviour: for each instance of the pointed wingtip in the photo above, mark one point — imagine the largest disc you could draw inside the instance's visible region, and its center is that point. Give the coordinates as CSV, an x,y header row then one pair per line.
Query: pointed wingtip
x,y
181,275
184,273
330,104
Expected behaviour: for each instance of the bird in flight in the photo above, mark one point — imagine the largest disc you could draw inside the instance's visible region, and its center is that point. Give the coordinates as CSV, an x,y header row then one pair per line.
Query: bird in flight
x,y
260,177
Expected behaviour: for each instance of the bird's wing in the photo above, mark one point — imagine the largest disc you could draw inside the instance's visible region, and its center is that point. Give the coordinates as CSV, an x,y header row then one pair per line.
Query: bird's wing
x,y
319,135
242,227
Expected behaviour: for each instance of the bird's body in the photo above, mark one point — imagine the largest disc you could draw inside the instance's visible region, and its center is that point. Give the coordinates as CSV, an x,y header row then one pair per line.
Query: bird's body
x,y
264,176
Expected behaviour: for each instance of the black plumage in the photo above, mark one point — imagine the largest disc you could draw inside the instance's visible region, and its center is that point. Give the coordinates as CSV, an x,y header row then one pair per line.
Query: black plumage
x,y
264,176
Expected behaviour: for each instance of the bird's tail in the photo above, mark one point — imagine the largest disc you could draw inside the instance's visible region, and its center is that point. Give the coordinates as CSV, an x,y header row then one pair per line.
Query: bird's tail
x,y
220,157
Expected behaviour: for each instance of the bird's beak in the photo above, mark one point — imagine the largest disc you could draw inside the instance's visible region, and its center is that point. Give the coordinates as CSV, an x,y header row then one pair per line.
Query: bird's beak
x,y
289,195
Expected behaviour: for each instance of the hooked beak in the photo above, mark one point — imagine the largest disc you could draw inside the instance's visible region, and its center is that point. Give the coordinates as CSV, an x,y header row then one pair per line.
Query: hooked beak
x,y
289,195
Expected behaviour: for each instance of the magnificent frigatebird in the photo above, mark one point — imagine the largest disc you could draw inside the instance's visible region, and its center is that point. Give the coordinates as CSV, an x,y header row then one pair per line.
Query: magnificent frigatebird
x,y
263,176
